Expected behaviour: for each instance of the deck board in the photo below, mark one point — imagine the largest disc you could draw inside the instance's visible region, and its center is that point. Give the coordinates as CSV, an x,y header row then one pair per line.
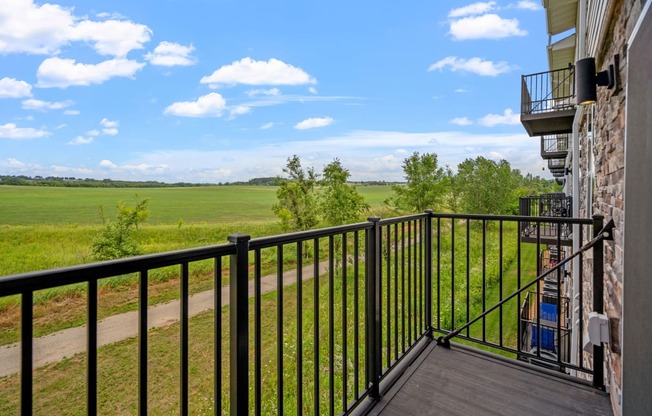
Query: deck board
x,y
457,381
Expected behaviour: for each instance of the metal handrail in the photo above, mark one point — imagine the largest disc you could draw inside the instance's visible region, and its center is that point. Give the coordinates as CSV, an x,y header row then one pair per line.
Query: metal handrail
x,y
606,233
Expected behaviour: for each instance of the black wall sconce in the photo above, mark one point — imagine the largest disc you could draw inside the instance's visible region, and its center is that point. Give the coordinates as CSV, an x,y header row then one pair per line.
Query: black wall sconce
x,y
586,79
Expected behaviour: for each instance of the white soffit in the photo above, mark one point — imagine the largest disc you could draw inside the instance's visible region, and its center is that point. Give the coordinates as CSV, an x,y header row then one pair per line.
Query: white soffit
x,y
561,15
562,53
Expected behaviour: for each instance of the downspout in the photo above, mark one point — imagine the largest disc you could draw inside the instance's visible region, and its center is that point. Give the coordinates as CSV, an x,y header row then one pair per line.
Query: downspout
x,y
575,176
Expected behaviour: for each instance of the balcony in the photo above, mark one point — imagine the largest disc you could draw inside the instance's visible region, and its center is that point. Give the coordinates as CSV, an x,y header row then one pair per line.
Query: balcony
x,y
548,102
555,207
339,320
555,146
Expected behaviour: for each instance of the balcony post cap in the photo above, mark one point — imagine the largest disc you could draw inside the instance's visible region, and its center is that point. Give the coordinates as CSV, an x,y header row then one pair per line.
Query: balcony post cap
x,y
373,219
238,238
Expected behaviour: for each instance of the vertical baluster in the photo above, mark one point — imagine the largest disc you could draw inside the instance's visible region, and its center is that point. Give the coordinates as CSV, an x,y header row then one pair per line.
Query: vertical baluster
x,y
27,352
279,329
183,366
300,328
258,345
345,364
91,349
316,335
142,343
217,336
331,325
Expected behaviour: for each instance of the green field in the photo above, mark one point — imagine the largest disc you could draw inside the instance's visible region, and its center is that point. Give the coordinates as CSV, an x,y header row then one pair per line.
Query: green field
x,y
31,205
43,227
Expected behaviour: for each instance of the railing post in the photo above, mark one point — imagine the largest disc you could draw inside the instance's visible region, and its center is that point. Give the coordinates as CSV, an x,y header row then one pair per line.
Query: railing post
x,y
239,324
598,302
428,274
373,313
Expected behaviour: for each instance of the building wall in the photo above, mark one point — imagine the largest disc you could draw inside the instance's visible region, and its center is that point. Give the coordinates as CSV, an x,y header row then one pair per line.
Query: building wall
x,y
608,192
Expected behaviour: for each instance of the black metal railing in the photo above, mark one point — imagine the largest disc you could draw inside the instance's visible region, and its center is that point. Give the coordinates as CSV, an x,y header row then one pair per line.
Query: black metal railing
x,y
322,321
556,164
555,205
547,91
554,145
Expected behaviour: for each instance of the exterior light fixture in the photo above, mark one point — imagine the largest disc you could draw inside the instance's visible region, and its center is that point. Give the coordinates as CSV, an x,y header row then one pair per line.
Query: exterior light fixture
x,y
586,79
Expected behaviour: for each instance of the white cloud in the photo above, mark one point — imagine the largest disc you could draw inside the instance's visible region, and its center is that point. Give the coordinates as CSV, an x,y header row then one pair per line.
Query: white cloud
x,y
171,54
508,117
93,133
369,155
107,164
105,122
112,37
71,112
474,65
311,123
473,9
312,90
33,104
109,127
110,132
27,27
267,126
269,92
488,26
527,5
249,72
63,73
461,121
81,140
13,88
112,15
239,110
210,105
133,170
12,164
461,91
45,29
11,131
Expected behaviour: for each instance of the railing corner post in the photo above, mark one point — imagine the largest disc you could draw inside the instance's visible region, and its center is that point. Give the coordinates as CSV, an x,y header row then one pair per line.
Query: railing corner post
x,y
428,272
598,299
239,324
373,302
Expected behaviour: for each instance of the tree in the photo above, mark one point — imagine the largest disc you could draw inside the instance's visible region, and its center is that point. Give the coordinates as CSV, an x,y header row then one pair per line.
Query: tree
x,y
297,198
116,240
487,187
426,184
340,202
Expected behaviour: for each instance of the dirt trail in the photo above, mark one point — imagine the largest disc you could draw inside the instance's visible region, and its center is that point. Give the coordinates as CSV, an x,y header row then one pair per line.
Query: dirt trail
x,y
68,342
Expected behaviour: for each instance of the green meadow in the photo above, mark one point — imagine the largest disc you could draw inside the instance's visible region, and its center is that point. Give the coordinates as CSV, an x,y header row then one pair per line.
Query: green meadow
x,y
36,205
46,227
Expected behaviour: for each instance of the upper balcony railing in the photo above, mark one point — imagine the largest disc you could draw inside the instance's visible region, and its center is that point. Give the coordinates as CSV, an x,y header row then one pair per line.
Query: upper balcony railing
x,y
316,321
548,102
555,146
554,231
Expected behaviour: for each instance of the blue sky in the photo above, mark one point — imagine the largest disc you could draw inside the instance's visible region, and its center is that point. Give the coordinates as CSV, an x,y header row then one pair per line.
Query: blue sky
x,y
218,91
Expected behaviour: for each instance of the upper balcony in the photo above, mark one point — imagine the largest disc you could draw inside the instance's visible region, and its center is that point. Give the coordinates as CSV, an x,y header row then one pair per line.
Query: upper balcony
x,y
552,206
555,146
548,102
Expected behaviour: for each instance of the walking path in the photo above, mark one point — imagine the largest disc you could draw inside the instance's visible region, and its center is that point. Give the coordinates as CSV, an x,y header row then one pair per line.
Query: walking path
x,y
68,342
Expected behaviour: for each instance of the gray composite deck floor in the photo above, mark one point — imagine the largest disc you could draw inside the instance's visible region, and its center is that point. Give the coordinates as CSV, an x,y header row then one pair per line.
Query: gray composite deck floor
x,y
458,381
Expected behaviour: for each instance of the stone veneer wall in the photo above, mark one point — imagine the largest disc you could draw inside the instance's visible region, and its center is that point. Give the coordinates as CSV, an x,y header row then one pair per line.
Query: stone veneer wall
x,y
608,199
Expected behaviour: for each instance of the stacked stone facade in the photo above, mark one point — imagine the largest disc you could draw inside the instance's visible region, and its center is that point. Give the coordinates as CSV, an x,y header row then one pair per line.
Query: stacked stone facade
x,y
608,198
